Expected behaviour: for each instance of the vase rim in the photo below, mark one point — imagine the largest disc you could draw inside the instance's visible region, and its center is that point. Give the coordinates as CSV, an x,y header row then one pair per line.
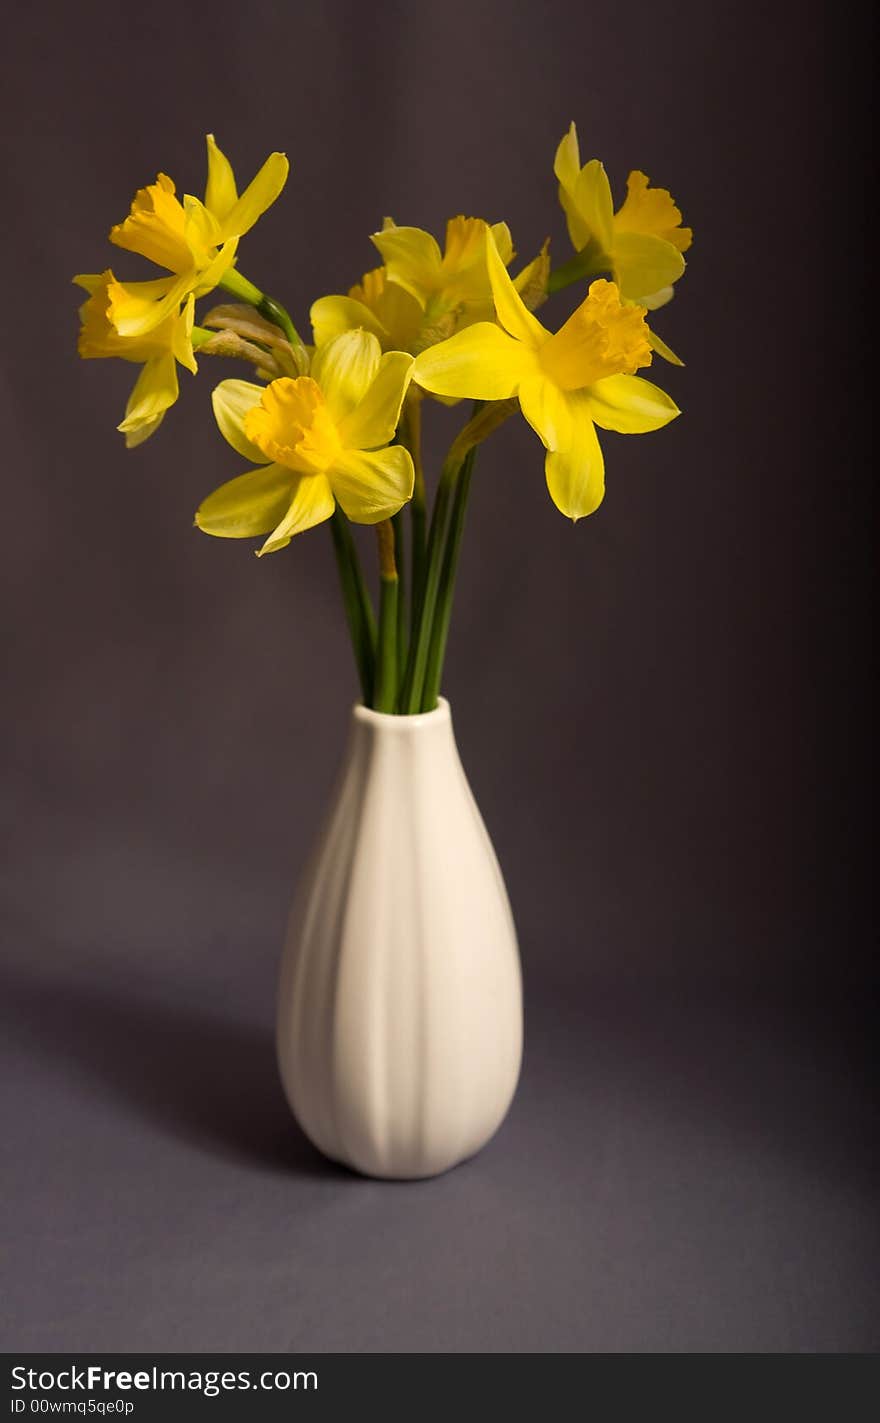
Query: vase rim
x,y
392,721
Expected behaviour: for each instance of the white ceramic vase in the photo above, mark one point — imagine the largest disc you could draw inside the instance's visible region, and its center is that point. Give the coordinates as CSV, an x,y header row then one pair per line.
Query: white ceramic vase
x,y
400,1002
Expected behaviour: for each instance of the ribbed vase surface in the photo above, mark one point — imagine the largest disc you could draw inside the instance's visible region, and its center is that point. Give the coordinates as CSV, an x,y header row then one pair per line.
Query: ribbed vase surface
x,y
400,1002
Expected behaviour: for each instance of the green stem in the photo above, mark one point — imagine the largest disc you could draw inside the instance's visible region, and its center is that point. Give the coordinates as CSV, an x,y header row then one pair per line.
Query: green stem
x,y
400,561
411,695
591,261
446,594
276,313
356,598
484,419
267,306
411,435
355,594
386,662
363,592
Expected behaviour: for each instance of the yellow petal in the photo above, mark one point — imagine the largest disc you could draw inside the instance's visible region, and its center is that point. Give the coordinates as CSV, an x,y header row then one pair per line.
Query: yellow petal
x,y
375,304
92,281
654,300
546,409
374,420
181,336
593,202
652,210
133,438
259,195
585,194
576,475
643,264
512,313
249,505
345,369
312,503
630,405
503,241
135,308
373,486
210,276
232,399
397,310
531,282
154,392
567,163
221,194
202,230
412,258
482,362
98,337
331,315
567,167
663,350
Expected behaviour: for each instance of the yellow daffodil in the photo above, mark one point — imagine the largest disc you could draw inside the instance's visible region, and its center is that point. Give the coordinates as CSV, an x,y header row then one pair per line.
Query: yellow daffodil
x,y
158,350
196,241
641,244
320,439
421,295
566,383
374,304
454,280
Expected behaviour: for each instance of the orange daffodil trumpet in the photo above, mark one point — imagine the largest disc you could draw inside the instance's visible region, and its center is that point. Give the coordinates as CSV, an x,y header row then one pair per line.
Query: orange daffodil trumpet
x,y
320,439
566,383
332,432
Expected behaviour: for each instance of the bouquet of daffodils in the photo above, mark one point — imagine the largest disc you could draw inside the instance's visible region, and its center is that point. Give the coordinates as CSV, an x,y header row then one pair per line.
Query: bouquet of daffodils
x,y
331,429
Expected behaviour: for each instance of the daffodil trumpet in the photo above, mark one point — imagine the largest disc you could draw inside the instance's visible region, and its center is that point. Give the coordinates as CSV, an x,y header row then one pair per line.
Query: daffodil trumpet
x,y
332,431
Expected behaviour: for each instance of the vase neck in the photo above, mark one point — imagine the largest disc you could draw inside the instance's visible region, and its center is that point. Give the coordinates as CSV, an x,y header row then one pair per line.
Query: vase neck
x,y
419,724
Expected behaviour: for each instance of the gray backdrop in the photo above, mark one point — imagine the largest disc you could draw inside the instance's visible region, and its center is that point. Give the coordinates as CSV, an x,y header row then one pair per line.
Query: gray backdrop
x,y
662,711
